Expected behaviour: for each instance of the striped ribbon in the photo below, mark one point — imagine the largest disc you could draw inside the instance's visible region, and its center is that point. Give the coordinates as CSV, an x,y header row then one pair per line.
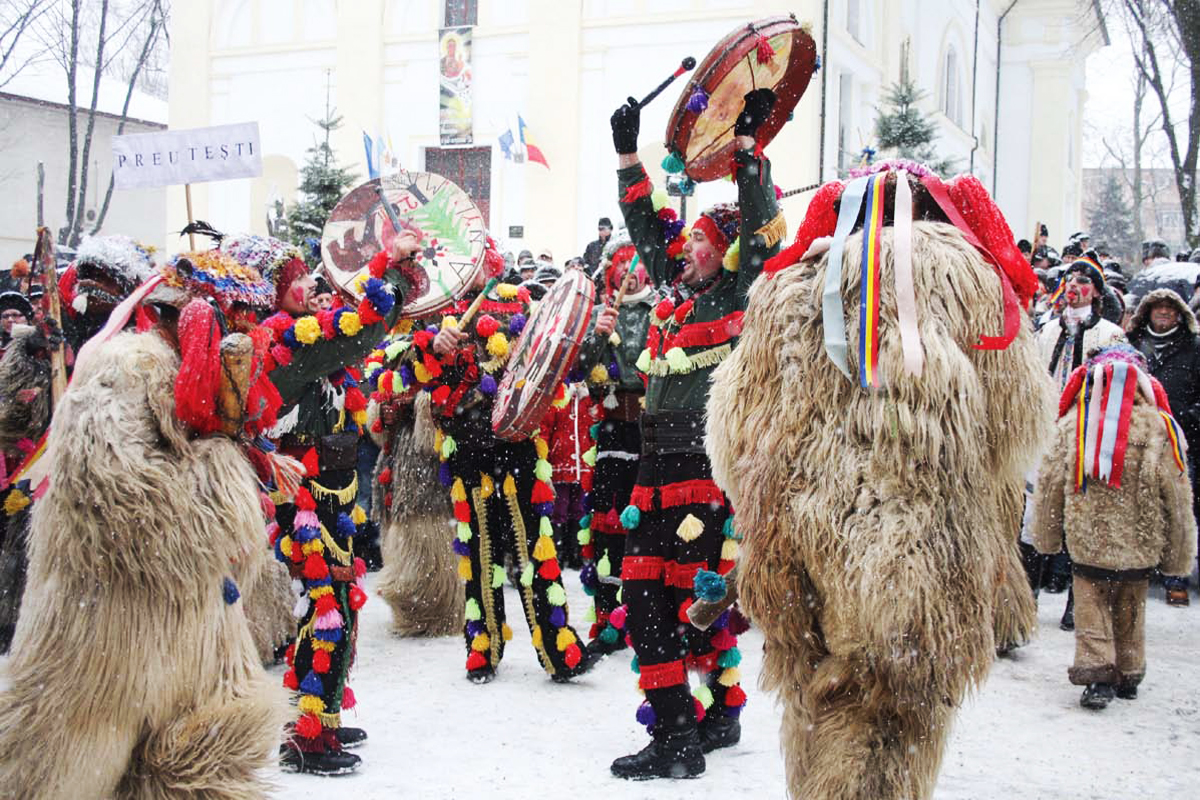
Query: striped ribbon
x,y
868,310
906,293
833,316
1080,445
1113,406
1176,436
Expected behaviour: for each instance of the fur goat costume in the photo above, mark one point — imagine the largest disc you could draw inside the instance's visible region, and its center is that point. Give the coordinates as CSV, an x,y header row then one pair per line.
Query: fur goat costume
x,y
877,524
129,554
419,579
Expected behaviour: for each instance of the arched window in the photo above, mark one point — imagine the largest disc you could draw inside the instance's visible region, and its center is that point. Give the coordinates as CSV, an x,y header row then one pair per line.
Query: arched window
x,y
951,88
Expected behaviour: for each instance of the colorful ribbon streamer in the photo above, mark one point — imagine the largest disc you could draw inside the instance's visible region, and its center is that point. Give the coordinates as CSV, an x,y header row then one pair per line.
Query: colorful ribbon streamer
x,y
868,309
831,298
906,294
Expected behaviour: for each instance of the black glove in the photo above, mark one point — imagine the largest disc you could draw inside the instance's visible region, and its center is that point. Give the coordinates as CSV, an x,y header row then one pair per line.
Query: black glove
x,y
625,122
45,338
756,109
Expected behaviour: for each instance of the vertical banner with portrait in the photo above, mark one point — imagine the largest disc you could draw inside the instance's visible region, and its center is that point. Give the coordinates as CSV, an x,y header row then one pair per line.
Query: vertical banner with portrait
x,y
454,76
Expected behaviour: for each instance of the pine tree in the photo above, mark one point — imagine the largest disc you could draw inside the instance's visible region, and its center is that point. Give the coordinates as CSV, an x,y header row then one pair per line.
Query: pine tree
x,y
904,129
322,184
1111,221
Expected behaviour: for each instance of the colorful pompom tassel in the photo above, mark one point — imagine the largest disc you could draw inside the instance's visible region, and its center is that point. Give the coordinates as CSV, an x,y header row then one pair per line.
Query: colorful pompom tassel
x,y
709,586
556,595
673,163
764,52
690,529
631,517
698,101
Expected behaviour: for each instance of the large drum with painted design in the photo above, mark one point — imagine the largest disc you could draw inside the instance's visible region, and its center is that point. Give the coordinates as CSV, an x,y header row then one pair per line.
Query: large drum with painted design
x,y
451,227
543,355
775,53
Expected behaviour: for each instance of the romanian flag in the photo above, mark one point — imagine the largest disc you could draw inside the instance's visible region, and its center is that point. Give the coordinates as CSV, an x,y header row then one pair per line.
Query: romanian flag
x,y
532,151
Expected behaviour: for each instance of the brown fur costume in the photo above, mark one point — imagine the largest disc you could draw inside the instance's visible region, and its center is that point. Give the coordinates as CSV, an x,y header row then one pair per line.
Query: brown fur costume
x,y
419,579
878,525
268,604
131,676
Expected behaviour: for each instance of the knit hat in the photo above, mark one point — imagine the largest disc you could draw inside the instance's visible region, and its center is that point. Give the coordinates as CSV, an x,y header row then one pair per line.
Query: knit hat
x,y
614,264
17,301
1086,265
720,224
277,261
212,273
604,222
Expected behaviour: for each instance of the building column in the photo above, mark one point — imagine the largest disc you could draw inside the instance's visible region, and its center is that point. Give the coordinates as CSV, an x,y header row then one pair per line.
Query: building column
x,y
1050,181
189,105
358,79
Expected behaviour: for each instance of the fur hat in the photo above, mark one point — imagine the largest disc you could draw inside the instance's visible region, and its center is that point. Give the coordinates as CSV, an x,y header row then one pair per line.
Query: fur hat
x,y
1141,317
277,261
720,223
16,300
212,273
122,259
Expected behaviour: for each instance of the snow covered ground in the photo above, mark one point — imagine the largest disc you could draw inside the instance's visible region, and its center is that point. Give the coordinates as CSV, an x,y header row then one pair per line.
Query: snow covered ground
x,y
434,735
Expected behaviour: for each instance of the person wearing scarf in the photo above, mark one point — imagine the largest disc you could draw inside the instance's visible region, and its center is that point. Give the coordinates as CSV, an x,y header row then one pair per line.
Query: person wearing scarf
x,y
679,523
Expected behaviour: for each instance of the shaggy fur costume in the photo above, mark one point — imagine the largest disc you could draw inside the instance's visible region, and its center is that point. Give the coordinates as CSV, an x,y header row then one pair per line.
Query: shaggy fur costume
x,y
268,603
878,525
131,675
419,579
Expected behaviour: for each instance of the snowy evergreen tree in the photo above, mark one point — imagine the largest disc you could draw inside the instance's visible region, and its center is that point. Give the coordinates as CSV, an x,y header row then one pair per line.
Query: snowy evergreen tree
x,y
322,184
905,131
1111,221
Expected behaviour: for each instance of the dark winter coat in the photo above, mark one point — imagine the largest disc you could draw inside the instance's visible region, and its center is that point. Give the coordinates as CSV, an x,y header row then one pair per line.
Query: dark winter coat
x,y
1177,364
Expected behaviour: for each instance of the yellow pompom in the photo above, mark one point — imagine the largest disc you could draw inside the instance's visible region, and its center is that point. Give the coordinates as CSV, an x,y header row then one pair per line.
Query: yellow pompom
x,y
543,449
481,642
359,417
311,704
403,327
315,546
422,375
506,632
497,345
307,330
678,360
510,486
321,644
285,544
599,374
449,322
543,549
729,550
487,486
349,323
730,677
732,255
358,516
537,636
458,492
690,528
360,282
564,639
506,290
464,568
319,592
437,440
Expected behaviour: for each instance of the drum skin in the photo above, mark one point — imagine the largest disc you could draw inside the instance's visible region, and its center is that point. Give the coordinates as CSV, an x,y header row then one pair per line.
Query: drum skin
x,y
705,139
452,229
543,355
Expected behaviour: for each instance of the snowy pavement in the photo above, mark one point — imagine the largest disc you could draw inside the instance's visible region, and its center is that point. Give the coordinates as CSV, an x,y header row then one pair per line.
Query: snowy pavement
x,y
434,735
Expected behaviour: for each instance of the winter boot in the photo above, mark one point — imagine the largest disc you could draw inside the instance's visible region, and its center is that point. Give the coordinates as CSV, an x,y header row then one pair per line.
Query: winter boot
x,y
1067,623
1177,595
718,730
1097,696
1127,690
589,659
326,763
605,648
671,754
481,674
349,738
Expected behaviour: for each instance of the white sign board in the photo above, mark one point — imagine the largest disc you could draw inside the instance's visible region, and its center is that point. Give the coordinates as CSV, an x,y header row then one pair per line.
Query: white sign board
x,y
192,156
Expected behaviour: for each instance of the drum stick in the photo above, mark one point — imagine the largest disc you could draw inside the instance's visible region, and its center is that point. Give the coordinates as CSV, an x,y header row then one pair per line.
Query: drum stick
x,y
387,208
633,262
684,66
474,307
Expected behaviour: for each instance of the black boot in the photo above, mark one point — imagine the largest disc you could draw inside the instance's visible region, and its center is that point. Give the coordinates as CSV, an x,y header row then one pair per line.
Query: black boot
x,y
670,754
718,730
1097,696
589,659
1067,623
603,648
350,738
329,762
1127,690
481,675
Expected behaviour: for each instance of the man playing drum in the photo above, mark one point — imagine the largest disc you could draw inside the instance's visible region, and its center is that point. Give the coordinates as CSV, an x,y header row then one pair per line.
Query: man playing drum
x,y
678,520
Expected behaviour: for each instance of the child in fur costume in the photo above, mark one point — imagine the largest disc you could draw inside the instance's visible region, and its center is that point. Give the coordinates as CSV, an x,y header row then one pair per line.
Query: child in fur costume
x,y
136,555
871,491
419,579
1114,486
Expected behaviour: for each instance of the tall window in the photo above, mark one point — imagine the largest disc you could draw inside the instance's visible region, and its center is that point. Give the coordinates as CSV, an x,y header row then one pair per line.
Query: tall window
x,y
853,20
845,120
951,99
461,12
905,55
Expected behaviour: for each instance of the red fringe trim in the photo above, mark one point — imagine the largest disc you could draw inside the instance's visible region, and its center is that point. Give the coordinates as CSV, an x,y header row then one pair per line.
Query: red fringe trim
x,y
681,576
641,189
497,306
660,676
677,494
600,525
704,663
697,334
642,568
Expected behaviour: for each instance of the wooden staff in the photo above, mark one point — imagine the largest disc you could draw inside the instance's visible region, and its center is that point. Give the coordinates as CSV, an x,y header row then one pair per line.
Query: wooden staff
x,y
1037,228
237,359
46,265
633,262
474,307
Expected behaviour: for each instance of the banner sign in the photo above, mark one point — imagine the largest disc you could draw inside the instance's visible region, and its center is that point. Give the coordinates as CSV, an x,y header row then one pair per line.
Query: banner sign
x,y
190,156
454,99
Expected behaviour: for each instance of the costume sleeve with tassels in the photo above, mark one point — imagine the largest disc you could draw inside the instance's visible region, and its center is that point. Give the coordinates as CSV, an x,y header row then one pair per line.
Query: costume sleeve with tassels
x,y
763,226
642,222
311,347
1179,554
